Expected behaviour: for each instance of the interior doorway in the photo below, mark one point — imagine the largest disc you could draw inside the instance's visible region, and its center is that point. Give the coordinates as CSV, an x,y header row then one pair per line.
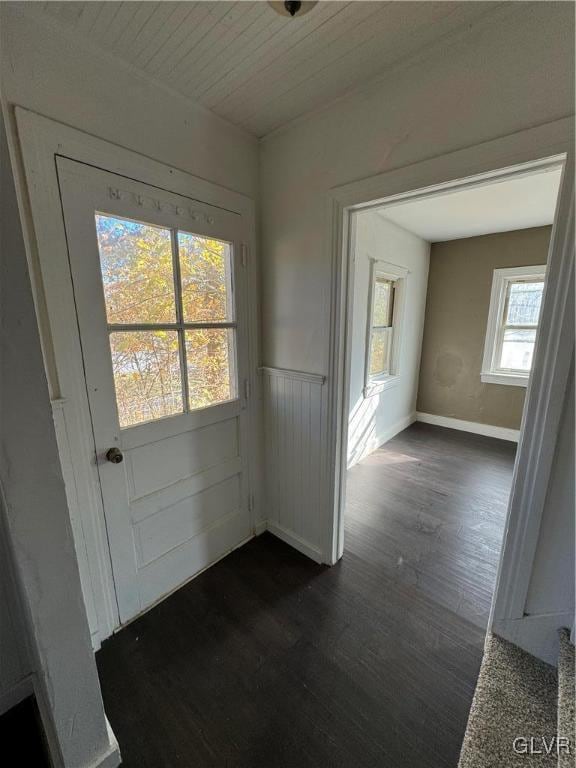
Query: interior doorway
x,y
446,304
446,295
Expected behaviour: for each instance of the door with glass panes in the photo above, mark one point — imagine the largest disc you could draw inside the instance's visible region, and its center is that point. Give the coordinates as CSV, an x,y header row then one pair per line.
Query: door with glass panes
x,y
159,290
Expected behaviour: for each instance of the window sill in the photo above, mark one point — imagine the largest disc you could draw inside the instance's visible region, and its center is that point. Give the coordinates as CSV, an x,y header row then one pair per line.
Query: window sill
x,y
511,379
376,386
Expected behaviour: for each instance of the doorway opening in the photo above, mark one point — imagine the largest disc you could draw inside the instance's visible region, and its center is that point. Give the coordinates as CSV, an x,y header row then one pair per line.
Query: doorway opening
x,y
445,296
442,306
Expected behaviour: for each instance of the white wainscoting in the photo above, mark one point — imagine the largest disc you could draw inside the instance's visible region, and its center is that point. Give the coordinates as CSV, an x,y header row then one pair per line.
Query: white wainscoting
x,y
294,405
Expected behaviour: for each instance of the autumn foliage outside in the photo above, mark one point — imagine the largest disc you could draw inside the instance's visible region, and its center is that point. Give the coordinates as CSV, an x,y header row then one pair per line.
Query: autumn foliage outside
x,y
155,366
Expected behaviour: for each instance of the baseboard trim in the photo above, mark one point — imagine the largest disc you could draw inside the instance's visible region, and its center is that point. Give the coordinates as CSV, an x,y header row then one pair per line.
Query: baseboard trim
x,y
260,527
111,757
537,635
295,541
488,430
378,441
16,693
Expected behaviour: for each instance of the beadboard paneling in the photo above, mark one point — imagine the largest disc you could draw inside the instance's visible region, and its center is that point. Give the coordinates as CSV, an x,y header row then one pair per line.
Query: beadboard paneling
x,y
293,408
249,65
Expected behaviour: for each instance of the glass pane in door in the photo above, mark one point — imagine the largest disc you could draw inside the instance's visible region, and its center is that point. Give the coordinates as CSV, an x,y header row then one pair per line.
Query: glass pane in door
x,y
210,357
205,269
147,375
137,271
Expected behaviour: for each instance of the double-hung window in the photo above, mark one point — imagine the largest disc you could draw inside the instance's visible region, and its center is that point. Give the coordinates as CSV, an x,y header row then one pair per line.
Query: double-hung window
x,y
382,326
512,325
385,299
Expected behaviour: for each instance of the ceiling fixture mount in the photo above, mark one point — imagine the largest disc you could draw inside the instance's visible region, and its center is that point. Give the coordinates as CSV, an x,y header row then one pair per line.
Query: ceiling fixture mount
x,y
292,7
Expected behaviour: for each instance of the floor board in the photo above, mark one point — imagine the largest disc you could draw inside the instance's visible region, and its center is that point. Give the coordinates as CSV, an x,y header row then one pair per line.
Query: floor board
x,y
269,660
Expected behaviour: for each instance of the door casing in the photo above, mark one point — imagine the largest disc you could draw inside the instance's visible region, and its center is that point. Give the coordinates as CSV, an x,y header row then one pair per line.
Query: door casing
x,y
42,140
518,153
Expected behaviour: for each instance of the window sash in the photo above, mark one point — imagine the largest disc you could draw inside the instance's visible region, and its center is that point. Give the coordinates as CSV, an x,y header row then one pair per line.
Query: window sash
x,y
505,326
388,335
181,326
389,328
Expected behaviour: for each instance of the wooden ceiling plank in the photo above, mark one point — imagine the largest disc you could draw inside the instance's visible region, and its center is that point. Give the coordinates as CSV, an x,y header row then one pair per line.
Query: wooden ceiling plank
x,y
104,21
132,30
88,17
217,53
178,39
219,18
154,24
287,36
165,33
309,54
195,31
253,39
371,59
116,29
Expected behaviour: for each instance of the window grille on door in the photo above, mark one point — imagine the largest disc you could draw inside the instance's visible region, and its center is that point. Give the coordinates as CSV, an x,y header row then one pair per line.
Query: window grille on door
x,y
171,318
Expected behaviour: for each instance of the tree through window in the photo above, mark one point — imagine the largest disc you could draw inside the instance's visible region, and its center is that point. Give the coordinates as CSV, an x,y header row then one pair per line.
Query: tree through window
x,y
170,313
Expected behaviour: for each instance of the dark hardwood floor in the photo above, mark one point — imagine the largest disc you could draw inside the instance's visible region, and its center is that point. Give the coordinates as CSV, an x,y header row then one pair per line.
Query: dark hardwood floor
x,y
268,660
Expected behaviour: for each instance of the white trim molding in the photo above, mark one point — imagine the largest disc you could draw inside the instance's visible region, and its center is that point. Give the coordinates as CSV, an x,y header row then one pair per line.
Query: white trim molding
x,y
491,372
378,384
289,537
553,357
508,379
111,757
488,430
285,373
35,142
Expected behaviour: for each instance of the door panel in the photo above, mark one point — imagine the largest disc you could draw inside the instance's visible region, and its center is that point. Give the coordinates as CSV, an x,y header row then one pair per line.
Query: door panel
x,y
161,532
187,454
160,299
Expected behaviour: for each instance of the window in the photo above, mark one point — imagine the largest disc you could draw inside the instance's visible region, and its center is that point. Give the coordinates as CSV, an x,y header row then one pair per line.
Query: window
x,y
382,342
512,324
381,331
170,314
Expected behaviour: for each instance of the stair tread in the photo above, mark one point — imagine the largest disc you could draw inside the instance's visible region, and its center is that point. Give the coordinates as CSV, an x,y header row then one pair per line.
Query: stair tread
x,y
516,697
566,705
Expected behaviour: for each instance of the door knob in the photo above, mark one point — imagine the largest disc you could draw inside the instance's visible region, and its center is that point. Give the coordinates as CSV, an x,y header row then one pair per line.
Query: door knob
x,y
114,455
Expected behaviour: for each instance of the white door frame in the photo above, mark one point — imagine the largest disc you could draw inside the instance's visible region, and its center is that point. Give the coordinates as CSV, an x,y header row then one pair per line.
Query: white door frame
x,y
40,141
519,153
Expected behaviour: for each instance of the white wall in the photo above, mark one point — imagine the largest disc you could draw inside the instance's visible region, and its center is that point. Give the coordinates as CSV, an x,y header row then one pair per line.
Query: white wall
x,y
55,635
481,86
375,419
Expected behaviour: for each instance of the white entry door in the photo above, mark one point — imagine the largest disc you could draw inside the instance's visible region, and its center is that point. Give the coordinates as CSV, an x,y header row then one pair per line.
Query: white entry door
x,y
161,304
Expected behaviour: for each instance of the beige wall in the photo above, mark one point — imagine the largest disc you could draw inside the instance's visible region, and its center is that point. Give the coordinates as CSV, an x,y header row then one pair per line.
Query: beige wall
x,y
456,313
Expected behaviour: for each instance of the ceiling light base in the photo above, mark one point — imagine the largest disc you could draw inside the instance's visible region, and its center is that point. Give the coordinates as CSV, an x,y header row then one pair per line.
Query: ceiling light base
x,y
292,8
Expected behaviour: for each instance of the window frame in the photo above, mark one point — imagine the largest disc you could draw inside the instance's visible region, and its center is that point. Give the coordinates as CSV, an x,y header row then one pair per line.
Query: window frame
x,y
180,326
491,373
376,383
